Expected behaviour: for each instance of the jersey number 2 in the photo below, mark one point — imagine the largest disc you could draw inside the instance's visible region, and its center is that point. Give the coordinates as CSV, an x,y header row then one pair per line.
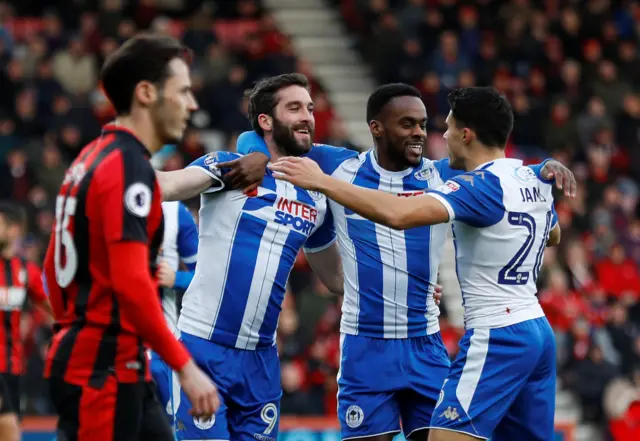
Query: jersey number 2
x,y
65,208
509,275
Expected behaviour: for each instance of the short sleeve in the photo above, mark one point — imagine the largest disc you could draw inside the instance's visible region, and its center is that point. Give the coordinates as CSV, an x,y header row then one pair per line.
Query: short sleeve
x,y
537,169
328,157
35,283
323,237
251,142
208,164
187,237
126,185
474,198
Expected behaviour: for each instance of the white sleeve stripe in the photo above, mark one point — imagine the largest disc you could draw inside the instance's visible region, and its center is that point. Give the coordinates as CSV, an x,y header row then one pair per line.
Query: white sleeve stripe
x,y
190,259
447,205
320,248
213,177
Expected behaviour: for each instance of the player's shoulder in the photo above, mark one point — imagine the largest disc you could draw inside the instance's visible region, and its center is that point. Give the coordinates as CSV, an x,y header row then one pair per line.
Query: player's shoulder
x,y
330,157
513,173
350,163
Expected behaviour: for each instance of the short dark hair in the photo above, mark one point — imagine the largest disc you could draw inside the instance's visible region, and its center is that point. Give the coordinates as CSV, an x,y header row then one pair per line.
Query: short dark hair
x,y
144,57
485,111
13,213
263,99
383,94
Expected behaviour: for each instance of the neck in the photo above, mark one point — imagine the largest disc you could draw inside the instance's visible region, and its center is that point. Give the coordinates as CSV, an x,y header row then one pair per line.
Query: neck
x,y
275,152
483,155
141,126
388,163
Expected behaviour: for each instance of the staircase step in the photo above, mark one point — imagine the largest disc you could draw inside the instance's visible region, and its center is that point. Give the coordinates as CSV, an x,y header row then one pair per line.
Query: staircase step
x,y
337,70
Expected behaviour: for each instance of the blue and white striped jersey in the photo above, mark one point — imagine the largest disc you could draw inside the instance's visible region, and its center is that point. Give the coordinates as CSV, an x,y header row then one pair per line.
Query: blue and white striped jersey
x,y
502,215
248,246
389,274
180,243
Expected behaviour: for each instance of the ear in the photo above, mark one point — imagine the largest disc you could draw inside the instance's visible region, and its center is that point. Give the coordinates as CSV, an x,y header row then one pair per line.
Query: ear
x,y
376,128
146,93
468,136
266,122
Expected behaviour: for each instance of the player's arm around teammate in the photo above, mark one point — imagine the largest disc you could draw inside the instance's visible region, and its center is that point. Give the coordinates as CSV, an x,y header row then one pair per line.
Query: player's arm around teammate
x,y
244,173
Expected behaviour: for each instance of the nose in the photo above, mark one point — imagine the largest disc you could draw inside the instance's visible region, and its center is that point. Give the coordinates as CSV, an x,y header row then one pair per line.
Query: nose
x,y
193,103
306,116
418,132
445,135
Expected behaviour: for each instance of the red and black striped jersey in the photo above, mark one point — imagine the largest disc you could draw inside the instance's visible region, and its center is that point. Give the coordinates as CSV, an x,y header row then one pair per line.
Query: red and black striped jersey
x,y
109,194
20,281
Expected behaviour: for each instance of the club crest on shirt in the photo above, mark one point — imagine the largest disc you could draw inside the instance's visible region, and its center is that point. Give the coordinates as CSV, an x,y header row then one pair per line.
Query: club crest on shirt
x,y
425,174
315,195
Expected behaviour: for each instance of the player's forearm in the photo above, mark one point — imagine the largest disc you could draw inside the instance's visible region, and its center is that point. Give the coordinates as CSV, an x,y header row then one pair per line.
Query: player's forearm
x,y
137,296
327,265
183,184
382,208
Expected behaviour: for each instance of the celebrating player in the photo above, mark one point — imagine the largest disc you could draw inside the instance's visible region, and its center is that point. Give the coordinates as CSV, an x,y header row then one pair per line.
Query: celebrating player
x,y
502,383
20,282
389,317
180,244
248,246
106,235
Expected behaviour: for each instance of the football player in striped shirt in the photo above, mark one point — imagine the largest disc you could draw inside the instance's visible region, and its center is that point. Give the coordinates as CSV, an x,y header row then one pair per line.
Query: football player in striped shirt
x,y
248,246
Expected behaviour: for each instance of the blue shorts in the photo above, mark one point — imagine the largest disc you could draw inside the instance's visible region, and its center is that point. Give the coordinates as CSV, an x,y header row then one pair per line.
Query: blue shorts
x,y
249,386
383,381
161,374
502,384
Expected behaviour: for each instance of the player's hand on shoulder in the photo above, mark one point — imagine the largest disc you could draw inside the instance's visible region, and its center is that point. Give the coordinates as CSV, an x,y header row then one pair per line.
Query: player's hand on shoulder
x,y
200,390
245,173
301,172
565,180
166,275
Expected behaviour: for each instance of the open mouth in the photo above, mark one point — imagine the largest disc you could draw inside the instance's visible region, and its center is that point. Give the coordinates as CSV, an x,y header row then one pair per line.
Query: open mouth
x,y
416,147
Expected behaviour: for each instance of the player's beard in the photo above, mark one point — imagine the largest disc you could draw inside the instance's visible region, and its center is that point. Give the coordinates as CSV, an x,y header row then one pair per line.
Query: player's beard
x,y
285,139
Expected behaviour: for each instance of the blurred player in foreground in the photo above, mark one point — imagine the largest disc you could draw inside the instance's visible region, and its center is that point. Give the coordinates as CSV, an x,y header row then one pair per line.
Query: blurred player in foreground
x,y
179,245
248,246
389,316
20,282
502,383
107,232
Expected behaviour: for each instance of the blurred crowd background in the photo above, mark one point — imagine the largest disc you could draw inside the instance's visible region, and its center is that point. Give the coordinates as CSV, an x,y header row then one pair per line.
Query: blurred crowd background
x,y
570,68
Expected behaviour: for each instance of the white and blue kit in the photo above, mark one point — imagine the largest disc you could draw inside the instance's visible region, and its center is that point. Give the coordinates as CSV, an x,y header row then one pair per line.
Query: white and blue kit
x,y
502,383
389,316
179,244
248,246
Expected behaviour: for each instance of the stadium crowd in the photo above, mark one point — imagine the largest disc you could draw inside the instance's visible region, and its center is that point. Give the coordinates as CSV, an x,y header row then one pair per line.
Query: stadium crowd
x,y
570,69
